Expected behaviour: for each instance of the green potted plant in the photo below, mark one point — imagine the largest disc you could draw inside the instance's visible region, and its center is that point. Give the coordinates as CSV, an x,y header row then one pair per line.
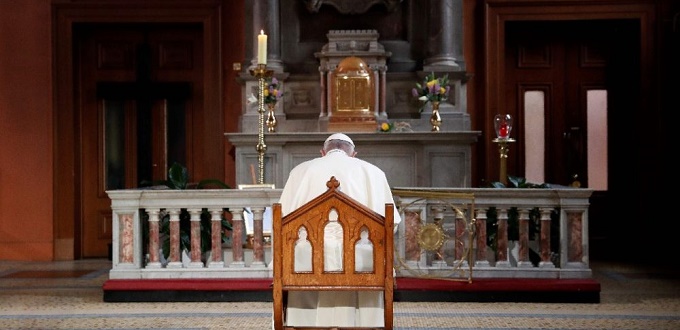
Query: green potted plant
x,y
178,178
513,219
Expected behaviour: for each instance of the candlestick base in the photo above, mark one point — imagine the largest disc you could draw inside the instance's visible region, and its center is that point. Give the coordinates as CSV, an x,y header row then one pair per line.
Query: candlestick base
x,y
503,149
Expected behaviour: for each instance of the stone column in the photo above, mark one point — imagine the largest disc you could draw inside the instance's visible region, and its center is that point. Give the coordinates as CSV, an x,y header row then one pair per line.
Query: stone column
x,y
445,36
383,93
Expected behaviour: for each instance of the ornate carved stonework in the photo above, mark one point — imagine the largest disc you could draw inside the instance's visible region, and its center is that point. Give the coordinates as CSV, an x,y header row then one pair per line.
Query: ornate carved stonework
x,y
350,6
362,45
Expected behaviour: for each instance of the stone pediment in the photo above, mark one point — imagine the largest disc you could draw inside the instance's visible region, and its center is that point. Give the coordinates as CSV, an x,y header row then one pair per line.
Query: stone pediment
x,y
360,43
350,6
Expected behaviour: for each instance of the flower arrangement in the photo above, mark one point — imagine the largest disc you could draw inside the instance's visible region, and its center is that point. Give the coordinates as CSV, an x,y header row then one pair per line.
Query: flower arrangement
x,y
433,89
272,92
385,127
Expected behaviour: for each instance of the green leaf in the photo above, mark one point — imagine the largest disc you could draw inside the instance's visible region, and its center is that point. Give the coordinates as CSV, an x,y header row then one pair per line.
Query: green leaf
x,y
178,176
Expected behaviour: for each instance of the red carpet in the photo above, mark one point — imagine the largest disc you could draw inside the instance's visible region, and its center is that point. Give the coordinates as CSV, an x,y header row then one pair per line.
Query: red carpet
x,y
407,289
498,284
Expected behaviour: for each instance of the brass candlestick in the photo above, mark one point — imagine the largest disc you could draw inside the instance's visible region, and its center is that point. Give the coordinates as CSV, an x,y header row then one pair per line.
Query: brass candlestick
x,y
503,148
261,73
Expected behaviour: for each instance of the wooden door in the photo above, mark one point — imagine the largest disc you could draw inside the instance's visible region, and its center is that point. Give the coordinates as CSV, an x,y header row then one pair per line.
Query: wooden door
x,y
140,88
562,64
567,61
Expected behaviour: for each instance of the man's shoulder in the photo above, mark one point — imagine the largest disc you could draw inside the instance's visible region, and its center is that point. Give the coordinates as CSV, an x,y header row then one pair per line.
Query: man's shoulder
x,y
307,163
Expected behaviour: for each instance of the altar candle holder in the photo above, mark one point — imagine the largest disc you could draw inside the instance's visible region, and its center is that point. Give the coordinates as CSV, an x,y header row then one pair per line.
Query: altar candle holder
x,y
503,127
261,73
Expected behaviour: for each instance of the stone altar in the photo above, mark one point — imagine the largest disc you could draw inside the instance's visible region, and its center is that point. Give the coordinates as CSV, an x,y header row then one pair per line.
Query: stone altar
x,y
409,159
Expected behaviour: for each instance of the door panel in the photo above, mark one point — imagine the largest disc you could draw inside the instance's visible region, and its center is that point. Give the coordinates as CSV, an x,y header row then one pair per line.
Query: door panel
x,y
566,60
139,91
554,58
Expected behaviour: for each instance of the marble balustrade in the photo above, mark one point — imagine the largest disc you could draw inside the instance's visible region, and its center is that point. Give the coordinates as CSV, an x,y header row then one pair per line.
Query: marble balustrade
x,y
459,214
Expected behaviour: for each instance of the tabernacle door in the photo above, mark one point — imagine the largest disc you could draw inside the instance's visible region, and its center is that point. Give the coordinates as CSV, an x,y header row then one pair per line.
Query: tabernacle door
x,y
353,97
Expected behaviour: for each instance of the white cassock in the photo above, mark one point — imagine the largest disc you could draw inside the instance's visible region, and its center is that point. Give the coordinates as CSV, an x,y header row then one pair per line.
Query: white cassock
x,y
368,185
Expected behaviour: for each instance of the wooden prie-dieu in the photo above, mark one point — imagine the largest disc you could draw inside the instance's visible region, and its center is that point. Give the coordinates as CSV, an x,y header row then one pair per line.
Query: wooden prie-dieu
x,y
367,250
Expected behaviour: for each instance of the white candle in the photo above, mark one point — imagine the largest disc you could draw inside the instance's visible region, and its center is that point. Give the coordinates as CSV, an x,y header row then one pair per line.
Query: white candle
x,y
262,48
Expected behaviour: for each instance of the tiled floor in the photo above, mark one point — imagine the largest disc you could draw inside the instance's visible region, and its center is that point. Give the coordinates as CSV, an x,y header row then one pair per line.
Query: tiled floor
x,y
68,295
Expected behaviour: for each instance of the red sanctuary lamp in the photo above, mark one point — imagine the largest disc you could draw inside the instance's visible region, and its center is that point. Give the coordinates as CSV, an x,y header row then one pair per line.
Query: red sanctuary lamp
x,y
503,127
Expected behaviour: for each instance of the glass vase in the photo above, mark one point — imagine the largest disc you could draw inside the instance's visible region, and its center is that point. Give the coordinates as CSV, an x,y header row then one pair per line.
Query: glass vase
x,y
503,126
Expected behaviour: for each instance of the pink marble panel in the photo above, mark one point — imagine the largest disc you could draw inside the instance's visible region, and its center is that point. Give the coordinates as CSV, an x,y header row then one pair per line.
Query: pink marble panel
x,y
575,222
126,254
412,224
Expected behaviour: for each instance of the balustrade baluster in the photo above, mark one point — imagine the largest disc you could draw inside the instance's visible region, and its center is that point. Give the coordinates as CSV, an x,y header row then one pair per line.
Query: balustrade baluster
x,y
460,240
153,247
502,238
545,239
523,255
258,238
175,251
480,239
195,216
216,239
438,218
237,228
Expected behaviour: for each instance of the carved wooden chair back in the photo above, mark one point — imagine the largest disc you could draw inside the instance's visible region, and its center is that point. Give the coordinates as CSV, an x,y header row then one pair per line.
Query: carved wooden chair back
x,y
301,263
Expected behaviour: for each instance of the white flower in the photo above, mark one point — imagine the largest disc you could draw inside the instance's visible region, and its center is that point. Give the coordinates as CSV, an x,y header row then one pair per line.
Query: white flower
x,y
251,99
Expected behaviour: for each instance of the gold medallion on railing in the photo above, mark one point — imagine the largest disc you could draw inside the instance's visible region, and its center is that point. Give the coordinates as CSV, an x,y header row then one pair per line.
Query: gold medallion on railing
x,y
431,237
